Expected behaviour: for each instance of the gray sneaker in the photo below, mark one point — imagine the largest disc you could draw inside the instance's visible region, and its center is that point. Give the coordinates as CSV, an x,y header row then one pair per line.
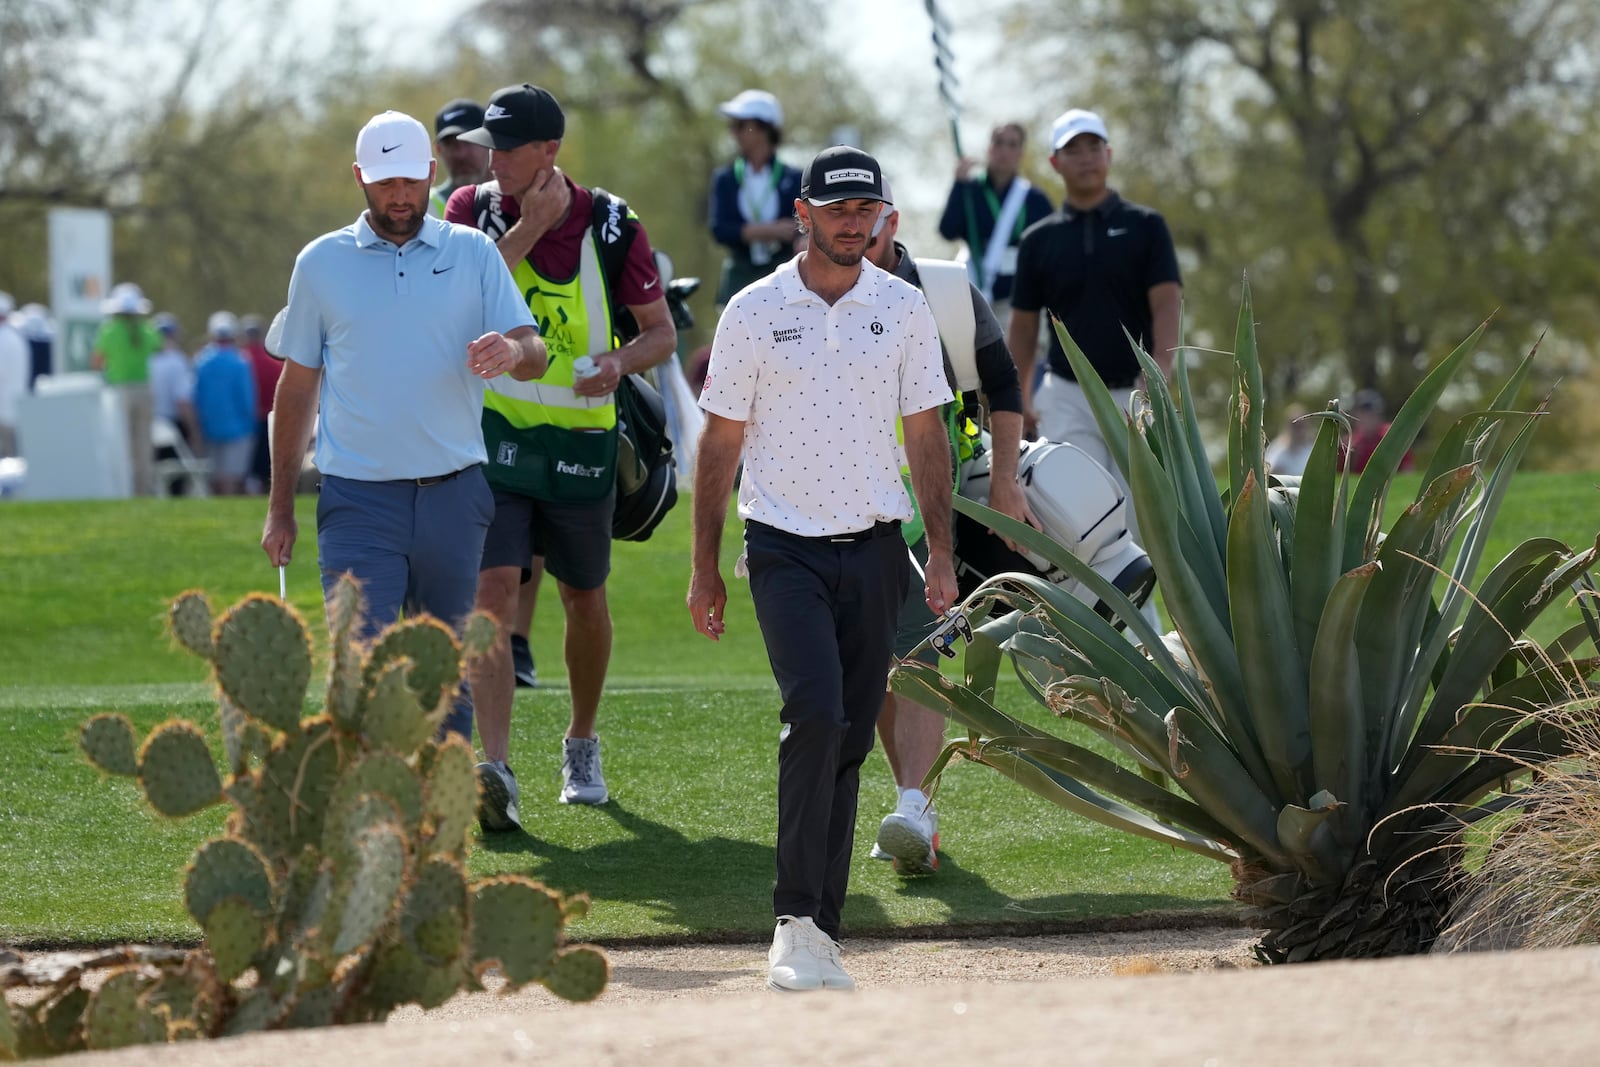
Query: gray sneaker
x,y
497,798
581,780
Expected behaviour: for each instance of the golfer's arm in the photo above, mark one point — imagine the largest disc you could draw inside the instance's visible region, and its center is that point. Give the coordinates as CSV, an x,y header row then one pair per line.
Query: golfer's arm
x,y
716,463
294,413
533,358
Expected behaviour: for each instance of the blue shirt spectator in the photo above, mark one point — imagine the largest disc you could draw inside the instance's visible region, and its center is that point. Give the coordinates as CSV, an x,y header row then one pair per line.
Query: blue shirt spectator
x,y
224,394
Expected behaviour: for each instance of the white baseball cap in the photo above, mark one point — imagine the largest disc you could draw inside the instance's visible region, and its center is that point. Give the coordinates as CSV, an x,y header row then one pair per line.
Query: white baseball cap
x,y
393,145
126,298
1071,123
223,324
755,104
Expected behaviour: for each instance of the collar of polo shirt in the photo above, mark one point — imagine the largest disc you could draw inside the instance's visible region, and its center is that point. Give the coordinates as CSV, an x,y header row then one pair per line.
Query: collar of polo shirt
x,y
864,291
429,233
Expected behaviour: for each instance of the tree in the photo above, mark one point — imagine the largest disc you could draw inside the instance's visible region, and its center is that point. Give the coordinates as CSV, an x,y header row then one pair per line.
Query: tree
x,y
1389,172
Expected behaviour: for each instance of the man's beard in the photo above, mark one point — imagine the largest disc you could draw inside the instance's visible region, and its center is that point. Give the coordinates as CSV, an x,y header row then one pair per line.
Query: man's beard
x,y
843,259
396,232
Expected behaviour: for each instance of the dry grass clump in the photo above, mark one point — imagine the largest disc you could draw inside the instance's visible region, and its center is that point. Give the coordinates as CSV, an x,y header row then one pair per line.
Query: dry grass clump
x,y
1536,884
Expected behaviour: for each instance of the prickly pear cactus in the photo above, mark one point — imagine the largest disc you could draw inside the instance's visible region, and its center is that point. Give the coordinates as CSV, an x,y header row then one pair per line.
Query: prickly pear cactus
x,y
338,891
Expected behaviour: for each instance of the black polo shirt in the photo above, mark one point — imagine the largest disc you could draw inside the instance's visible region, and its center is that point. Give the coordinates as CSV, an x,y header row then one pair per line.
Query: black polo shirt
x,y
1094,269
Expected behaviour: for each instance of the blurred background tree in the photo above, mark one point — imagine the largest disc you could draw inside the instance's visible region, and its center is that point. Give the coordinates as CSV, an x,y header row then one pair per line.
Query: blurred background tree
x,y
1388,172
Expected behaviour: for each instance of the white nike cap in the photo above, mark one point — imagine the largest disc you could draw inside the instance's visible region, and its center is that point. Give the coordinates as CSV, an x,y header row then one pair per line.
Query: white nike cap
x,y
1070,124
393,145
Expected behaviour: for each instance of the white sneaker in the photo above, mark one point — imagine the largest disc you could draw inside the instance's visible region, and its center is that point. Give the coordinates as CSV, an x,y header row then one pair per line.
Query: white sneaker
x,y
497,798
909,836
794,961
828,965
581,780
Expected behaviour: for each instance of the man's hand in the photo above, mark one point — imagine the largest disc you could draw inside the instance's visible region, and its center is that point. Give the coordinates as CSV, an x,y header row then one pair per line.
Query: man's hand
x,y
964,167
492,355
545,202
708,596
605,380
939,583
278,537
1007,497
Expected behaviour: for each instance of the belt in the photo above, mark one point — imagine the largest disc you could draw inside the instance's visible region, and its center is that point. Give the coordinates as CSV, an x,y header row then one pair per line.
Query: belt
x,y
877,529
440,478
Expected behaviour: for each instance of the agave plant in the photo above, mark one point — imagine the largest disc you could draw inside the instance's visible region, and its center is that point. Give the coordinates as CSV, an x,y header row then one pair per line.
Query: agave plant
x,y
1335,705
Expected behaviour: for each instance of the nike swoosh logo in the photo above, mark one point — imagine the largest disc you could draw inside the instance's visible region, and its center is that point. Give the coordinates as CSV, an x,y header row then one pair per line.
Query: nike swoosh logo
x,y
391,148
441,270
1117,233
651,284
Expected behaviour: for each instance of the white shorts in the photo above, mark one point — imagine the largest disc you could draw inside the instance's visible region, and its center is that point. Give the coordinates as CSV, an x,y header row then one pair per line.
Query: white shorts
x,y
1064,415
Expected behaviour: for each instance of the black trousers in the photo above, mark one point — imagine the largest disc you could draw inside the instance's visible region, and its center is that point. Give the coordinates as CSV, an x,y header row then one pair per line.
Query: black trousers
x,y
827,612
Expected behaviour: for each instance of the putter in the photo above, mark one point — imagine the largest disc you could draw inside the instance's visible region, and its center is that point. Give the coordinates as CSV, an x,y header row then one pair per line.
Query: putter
x,y
955,624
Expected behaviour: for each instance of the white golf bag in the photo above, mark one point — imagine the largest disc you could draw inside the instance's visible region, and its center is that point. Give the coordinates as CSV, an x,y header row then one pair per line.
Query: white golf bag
x,y
1077,502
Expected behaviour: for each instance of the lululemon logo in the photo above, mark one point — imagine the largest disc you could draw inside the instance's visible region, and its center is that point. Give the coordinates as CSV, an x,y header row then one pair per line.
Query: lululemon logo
x,y
877,328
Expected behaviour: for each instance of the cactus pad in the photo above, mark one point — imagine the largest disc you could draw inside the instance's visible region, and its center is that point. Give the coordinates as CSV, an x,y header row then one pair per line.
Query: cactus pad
x,y
433,918
298,778
111,744
372,886
116,1018
434,655
176,770
8,1033
479,635
579,973
258,1009
190,619
393,718
399,976
235,932
263,659
516,922
387,774
452,796
223,868
243,739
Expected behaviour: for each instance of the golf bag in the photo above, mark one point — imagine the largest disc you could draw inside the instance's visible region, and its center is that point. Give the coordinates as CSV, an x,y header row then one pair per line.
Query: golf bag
x,y
1077,502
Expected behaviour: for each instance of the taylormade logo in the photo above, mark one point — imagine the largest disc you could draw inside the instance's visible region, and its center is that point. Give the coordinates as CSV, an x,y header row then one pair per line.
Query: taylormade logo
x,y
578,469
495,112
834,177
611,229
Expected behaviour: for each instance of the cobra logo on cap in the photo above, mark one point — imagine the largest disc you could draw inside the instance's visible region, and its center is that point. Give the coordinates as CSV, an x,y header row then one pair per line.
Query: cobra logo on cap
x,y
834,177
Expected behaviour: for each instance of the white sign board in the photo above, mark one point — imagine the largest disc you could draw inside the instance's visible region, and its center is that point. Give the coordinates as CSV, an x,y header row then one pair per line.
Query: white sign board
x,y
80,278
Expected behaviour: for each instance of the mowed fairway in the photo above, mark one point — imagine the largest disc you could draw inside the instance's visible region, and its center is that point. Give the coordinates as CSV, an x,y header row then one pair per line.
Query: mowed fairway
x,y
689,730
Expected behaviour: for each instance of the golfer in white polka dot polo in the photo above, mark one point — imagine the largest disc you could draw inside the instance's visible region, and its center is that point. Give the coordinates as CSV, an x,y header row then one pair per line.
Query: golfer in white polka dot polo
x,y
810,368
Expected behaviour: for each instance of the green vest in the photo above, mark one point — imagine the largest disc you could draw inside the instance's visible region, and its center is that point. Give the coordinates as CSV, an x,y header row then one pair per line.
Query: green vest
x,y
543,439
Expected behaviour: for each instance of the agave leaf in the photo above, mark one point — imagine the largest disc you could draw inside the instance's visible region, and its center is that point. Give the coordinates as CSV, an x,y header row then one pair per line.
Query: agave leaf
x,y
1274,683
1338,726
1097,772
1366,506
1209,502
1474,433
924,685
1067,792
1569,642
1210,772
1298,834
1432,654
1108,415
930,781
1392,617
1509,599
1318,534
1246,437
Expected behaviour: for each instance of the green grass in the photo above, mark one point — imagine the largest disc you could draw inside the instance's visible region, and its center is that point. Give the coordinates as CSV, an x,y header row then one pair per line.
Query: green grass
x,y
690,730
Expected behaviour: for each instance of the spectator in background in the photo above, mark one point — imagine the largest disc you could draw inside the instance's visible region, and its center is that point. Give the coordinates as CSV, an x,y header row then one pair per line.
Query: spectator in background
x,y
989,212
172,391
122,349
1287,453
13,374
225,404
752,198
265,368
1368,411
33,320
465,163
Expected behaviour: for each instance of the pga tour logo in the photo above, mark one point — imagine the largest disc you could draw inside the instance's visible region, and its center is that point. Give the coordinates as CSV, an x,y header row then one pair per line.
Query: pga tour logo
x,y
506,454
834,177
578,469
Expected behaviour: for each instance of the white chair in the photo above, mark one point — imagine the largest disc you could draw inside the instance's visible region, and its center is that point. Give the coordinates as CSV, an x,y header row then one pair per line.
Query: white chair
x,y
184,464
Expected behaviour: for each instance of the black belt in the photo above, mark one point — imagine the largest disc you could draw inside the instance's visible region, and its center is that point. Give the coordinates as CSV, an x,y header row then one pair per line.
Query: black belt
x,y
1127,383
440,478
877,529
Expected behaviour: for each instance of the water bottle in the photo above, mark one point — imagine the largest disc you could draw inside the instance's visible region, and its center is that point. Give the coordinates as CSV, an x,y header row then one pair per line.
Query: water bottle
x,y
584,367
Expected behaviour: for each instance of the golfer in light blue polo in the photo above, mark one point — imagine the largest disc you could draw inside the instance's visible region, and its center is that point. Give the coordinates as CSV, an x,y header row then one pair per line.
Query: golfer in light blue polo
x,y
393,324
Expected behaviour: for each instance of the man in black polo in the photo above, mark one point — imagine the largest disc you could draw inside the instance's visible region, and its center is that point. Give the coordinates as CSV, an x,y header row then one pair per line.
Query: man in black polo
x,y
1101,265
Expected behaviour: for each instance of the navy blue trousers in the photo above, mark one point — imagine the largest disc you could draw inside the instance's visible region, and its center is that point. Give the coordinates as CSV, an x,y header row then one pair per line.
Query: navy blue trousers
x,y
413,548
